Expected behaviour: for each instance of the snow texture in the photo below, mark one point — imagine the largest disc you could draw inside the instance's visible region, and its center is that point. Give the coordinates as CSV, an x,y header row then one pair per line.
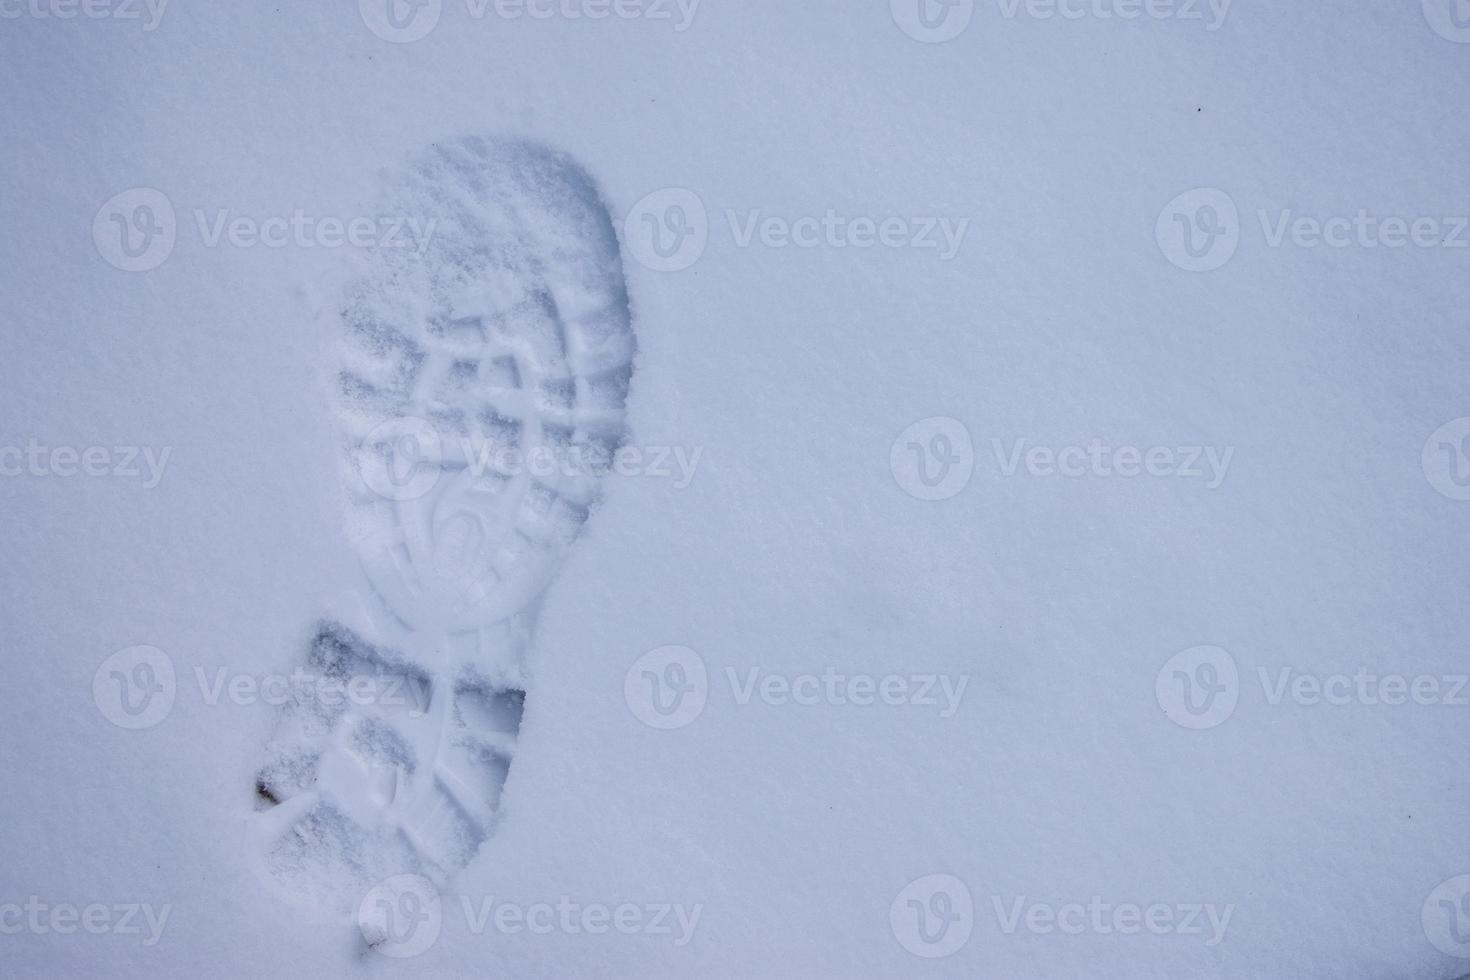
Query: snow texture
x,y
1012,477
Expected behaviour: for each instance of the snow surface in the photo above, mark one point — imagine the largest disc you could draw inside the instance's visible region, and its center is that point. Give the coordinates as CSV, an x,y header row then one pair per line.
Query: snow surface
x,y
1333,833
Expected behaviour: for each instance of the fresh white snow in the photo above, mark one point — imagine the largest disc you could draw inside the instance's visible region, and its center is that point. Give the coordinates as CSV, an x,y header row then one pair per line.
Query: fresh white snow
x,y
1042,553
